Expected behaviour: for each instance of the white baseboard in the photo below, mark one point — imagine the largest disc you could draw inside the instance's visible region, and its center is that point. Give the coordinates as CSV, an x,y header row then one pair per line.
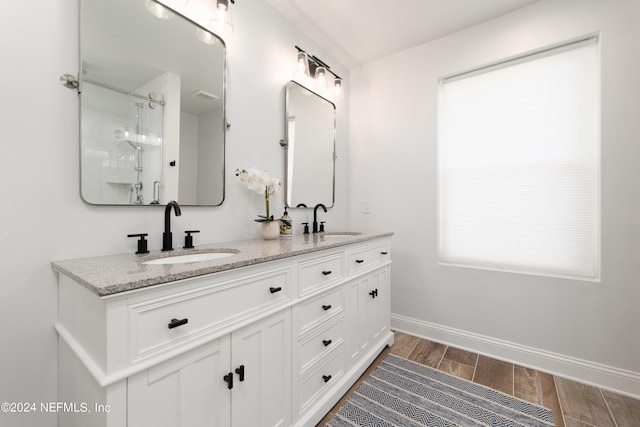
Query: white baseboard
x,y
583,371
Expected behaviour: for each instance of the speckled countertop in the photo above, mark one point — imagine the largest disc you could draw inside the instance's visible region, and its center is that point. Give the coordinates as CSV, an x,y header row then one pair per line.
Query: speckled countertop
x,y
107,275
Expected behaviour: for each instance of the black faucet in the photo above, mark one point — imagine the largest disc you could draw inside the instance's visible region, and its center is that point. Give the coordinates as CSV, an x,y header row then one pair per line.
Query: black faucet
x,y
167,238
315,216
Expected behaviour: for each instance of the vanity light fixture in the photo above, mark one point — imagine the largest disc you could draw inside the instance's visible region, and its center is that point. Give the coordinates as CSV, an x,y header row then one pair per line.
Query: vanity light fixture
x,y
221,23
313,72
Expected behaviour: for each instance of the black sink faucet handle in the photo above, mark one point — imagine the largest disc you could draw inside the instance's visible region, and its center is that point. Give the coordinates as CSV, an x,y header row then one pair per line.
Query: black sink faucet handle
x,y
321,226
142,242
306,227
188,239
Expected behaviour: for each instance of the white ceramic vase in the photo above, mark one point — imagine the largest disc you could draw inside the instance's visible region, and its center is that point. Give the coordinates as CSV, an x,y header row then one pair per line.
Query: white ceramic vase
x,y
270,230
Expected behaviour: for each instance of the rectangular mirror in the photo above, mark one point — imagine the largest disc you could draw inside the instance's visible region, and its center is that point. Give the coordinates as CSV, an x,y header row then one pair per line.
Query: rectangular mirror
x,y
310,147
152,96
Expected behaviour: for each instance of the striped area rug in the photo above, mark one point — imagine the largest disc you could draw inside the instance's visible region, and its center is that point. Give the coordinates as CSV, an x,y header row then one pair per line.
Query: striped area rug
x,y
400,392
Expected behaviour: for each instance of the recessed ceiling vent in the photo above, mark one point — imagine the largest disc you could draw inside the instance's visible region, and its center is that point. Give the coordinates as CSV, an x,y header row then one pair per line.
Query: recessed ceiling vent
x,y
204,95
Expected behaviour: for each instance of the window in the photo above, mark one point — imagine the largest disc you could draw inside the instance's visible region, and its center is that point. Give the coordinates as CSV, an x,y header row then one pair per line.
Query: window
x,y
518,164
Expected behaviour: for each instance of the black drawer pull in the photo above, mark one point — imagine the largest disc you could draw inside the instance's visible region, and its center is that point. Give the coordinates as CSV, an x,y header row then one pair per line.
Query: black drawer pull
x,y
359,261
240,372
326,342
384,253
374,293
274,290
326,272
326,307
326,378
229,379
175,323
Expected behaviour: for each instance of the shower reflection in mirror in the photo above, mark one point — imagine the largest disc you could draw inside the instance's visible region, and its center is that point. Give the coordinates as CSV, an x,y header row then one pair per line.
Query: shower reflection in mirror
x,y
152,106
122,145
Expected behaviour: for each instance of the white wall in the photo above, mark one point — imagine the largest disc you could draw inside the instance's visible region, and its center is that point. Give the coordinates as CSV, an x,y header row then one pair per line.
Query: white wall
x,y
43,217
576,328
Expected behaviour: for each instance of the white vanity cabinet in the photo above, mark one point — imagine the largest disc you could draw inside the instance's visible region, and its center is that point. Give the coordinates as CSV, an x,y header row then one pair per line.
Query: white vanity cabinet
x,y
269,343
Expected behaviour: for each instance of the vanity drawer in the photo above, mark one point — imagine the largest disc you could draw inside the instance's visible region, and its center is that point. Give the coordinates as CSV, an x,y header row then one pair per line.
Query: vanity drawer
x,y
319,309
320,343
319,272
368,257
320,379
162,323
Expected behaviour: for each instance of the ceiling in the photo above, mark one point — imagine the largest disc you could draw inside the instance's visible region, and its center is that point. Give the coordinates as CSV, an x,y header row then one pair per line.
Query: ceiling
x,y
356,32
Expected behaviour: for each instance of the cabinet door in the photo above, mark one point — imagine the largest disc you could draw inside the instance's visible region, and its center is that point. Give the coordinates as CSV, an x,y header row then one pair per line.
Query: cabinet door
x,y
378,307
367,310
262,351
356,308
186,391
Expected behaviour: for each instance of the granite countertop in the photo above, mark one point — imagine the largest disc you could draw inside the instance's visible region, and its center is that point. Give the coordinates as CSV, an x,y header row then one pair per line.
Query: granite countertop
x,y
108,275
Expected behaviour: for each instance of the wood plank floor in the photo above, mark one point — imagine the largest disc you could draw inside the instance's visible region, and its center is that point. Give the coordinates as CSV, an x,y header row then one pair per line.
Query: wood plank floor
x,y
573,404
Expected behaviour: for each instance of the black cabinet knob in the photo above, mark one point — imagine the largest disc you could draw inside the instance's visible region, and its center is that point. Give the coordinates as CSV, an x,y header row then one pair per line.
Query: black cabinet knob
x,y
326,272
359,261
326,307
240,372
274,290
229,379
175,323
384,253
326,378
326,342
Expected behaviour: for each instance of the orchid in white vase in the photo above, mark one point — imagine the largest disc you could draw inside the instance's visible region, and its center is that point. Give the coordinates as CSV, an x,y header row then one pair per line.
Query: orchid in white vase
x,y
261,183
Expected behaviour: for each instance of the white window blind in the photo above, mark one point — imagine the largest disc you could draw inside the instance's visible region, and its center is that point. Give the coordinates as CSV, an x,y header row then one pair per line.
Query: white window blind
x,y
518,165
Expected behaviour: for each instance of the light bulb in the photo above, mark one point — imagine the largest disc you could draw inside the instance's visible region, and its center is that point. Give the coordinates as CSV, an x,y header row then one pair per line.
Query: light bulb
x,y
301,74
303,63
321,78
221,23
338,91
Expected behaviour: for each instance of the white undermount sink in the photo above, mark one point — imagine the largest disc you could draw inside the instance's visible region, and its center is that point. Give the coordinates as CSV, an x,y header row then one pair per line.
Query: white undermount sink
x,y
197,257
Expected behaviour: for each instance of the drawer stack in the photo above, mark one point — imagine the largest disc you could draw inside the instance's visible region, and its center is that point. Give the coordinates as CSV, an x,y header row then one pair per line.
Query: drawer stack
x,y
320,355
